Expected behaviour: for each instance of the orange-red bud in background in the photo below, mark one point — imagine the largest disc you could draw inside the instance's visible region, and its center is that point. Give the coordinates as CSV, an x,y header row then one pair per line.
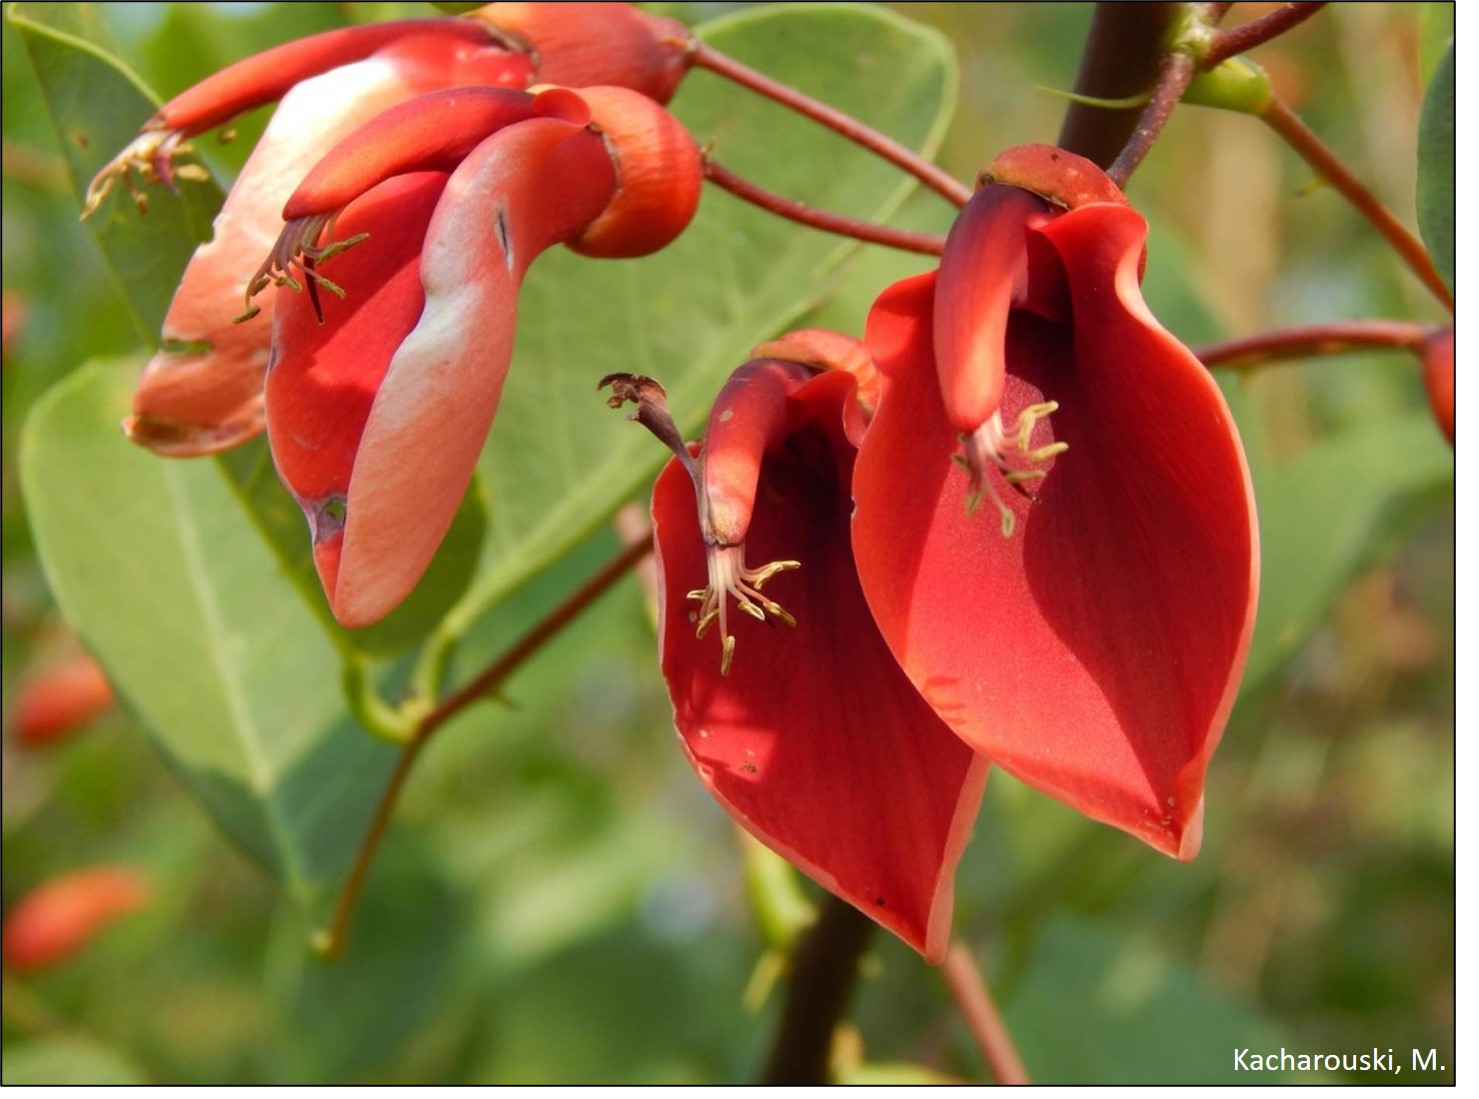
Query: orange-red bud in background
x,y
60,700
1438,378
64,915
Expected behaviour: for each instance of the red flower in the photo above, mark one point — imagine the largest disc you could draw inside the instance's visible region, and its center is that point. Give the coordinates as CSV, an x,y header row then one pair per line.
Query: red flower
x,y
809,734
1095,652
202,392
1091,642
415,135
378,404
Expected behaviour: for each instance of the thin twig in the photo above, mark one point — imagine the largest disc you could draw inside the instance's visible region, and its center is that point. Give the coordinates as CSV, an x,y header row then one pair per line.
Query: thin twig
x,y
330,942
978,1010
932,176
1230,43
824,971
1323,160
1177,72
926,244
1311,340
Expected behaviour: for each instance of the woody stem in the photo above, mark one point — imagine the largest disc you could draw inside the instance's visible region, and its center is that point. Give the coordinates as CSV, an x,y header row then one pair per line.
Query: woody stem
x,y
331,941
1323,160
824,971
978,1010
932,176
926,244
1310,340
1121,58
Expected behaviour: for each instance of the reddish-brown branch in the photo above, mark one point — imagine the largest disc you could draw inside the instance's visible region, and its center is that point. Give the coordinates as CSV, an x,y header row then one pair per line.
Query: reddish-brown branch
x,y
926,244
330,942
1230,43
824,970
1319,156
1121,58
978,1010
1310,340
1177,72
932,176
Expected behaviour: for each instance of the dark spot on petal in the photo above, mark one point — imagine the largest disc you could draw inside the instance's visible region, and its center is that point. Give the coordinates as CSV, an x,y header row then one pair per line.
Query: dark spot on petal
x,y
878,901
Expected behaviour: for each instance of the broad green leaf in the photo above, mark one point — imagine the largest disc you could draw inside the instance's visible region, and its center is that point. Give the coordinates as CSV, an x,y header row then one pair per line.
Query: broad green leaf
x,y
279,520
1434,33
1095,1008
97,106
558,461
1319,517
1435,168
156,566
77,1062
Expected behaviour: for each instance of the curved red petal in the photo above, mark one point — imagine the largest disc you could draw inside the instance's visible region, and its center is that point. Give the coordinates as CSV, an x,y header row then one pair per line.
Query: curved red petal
x,y
816,742
431,133
523,189
202,392
1096,653
267,76
983,268
325,375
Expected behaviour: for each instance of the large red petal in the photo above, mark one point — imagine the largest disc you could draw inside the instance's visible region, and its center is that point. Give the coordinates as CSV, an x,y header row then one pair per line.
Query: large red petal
x,y
523,189
1096,653
816,742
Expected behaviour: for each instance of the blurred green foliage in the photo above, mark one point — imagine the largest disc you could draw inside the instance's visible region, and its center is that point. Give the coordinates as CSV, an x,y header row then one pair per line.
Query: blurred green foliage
x,y
560,902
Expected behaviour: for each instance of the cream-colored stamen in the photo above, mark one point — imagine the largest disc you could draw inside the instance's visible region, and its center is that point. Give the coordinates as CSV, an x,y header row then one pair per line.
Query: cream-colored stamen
x,y
728,577
297,247
149,156
1006,449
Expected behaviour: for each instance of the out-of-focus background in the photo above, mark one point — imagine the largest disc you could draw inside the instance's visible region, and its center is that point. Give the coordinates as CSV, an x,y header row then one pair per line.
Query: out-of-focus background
x,y
559,901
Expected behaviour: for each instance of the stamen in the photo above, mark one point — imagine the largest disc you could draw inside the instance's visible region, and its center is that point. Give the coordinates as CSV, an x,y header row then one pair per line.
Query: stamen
x,y
728,577
1006,449
149,156
297,247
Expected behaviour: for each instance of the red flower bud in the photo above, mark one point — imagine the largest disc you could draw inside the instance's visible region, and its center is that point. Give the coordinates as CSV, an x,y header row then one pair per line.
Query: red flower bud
x,y
62,916
1438,378
59,700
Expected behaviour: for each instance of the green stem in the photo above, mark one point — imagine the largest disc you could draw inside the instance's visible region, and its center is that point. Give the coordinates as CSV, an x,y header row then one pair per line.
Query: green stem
x,y
331,941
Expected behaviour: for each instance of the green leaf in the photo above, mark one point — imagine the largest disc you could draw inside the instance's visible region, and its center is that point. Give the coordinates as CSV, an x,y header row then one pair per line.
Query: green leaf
x,y
280,521
66,1061
97,106
1435,168
558,462
156,566
1347,485
1434,33
1095,1008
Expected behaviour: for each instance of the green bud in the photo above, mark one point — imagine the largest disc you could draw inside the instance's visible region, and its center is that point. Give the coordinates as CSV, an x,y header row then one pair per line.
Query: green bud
x,y
1236,84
